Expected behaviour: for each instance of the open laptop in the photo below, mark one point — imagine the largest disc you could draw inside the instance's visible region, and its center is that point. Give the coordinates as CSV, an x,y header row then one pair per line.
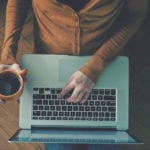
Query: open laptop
x,y
48,118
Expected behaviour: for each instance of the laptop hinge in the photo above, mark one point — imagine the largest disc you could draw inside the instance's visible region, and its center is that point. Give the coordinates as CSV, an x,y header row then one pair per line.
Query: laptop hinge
x,y
73,128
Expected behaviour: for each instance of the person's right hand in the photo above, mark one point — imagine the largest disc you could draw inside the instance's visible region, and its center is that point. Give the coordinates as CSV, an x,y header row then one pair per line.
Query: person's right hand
x,y
15,67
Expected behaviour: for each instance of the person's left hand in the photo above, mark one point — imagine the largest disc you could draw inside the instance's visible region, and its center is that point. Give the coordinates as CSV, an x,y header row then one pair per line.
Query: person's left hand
x,y
81,86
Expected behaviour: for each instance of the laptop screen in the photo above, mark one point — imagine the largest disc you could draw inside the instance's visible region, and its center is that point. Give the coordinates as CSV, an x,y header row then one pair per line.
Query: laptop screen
x,y
73,136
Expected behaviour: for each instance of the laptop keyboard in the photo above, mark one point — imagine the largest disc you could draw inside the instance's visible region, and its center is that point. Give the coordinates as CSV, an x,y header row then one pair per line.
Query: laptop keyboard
x,y
49,105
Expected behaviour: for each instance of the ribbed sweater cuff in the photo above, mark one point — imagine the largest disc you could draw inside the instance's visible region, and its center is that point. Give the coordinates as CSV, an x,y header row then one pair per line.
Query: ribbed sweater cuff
x,y
93,68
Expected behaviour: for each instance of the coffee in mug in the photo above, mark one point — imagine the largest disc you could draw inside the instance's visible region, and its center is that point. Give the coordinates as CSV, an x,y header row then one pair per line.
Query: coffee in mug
x,y
11,84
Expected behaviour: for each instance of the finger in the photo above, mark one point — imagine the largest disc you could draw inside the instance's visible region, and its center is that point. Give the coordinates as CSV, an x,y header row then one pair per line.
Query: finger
x,y
85,97
23,72
16,67
66,89
74,95
80,97
3,67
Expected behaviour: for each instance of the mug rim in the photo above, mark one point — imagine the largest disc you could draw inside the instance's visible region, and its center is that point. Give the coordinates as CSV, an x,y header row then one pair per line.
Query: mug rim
x,y
20,81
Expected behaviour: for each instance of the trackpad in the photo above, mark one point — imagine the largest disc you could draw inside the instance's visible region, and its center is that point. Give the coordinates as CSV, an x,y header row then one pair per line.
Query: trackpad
x,y
68,67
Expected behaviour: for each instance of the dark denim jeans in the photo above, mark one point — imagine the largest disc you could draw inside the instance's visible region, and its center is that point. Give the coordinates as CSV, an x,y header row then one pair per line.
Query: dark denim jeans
x,y
80,147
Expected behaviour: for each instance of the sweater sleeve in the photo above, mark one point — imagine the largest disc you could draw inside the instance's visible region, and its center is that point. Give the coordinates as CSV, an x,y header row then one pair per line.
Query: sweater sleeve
x,y
16,12
135,12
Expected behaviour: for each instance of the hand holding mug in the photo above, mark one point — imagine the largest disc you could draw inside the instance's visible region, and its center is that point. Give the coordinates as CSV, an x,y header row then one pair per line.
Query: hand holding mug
x,y
11,82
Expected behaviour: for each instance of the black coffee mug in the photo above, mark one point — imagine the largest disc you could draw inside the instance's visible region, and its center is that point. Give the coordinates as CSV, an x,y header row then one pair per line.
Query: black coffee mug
x,y
11,84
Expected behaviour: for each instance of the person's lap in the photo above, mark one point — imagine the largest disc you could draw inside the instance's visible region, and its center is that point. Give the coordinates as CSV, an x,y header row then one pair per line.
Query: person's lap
x,y
80,147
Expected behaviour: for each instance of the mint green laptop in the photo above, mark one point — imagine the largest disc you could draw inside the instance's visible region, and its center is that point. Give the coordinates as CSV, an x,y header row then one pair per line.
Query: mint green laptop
x,y
47,118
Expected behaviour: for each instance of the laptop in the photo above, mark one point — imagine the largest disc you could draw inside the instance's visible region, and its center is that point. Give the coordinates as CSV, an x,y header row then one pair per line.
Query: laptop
x,y
46,117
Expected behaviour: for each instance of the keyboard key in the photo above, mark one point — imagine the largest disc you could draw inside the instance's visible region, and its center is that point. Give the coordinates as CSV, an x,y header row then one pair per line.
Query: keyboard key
x,y
113,114
48,96
102,103
90,97
95,114
64,108
38,96
87,108
72,114
91,103
85,104
47,89
54,97
104,108
70,118
53,118
101,119
62,102
111,103
100,97
89,114
95,91
43,113
93,108
45,102
51,102
113,92
58,108
70,108
84,114
46,107
66,113
107,92
75,108
98,108
78,114
107,114
112,119
58,90
53,91
65,118
57,102
106,119
81,108
52,107
97,103
95,119
35,107
35,118
47,118
61,113
40,107
41,118
49,113
55,113
109,97
89,119
59,118
35,89
101,114
41,90
112,109
36,113
101,92
39,102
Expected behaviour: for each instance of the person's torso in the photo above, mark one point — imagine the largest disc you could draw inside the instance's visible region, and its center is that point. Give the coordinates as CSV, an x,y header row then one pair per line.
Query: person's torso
x,y
65,28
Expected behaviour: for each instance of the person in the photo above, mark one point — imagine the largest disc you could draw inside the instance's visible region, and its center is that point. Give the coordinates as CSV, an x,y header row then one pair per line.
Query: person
x,y
73,27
